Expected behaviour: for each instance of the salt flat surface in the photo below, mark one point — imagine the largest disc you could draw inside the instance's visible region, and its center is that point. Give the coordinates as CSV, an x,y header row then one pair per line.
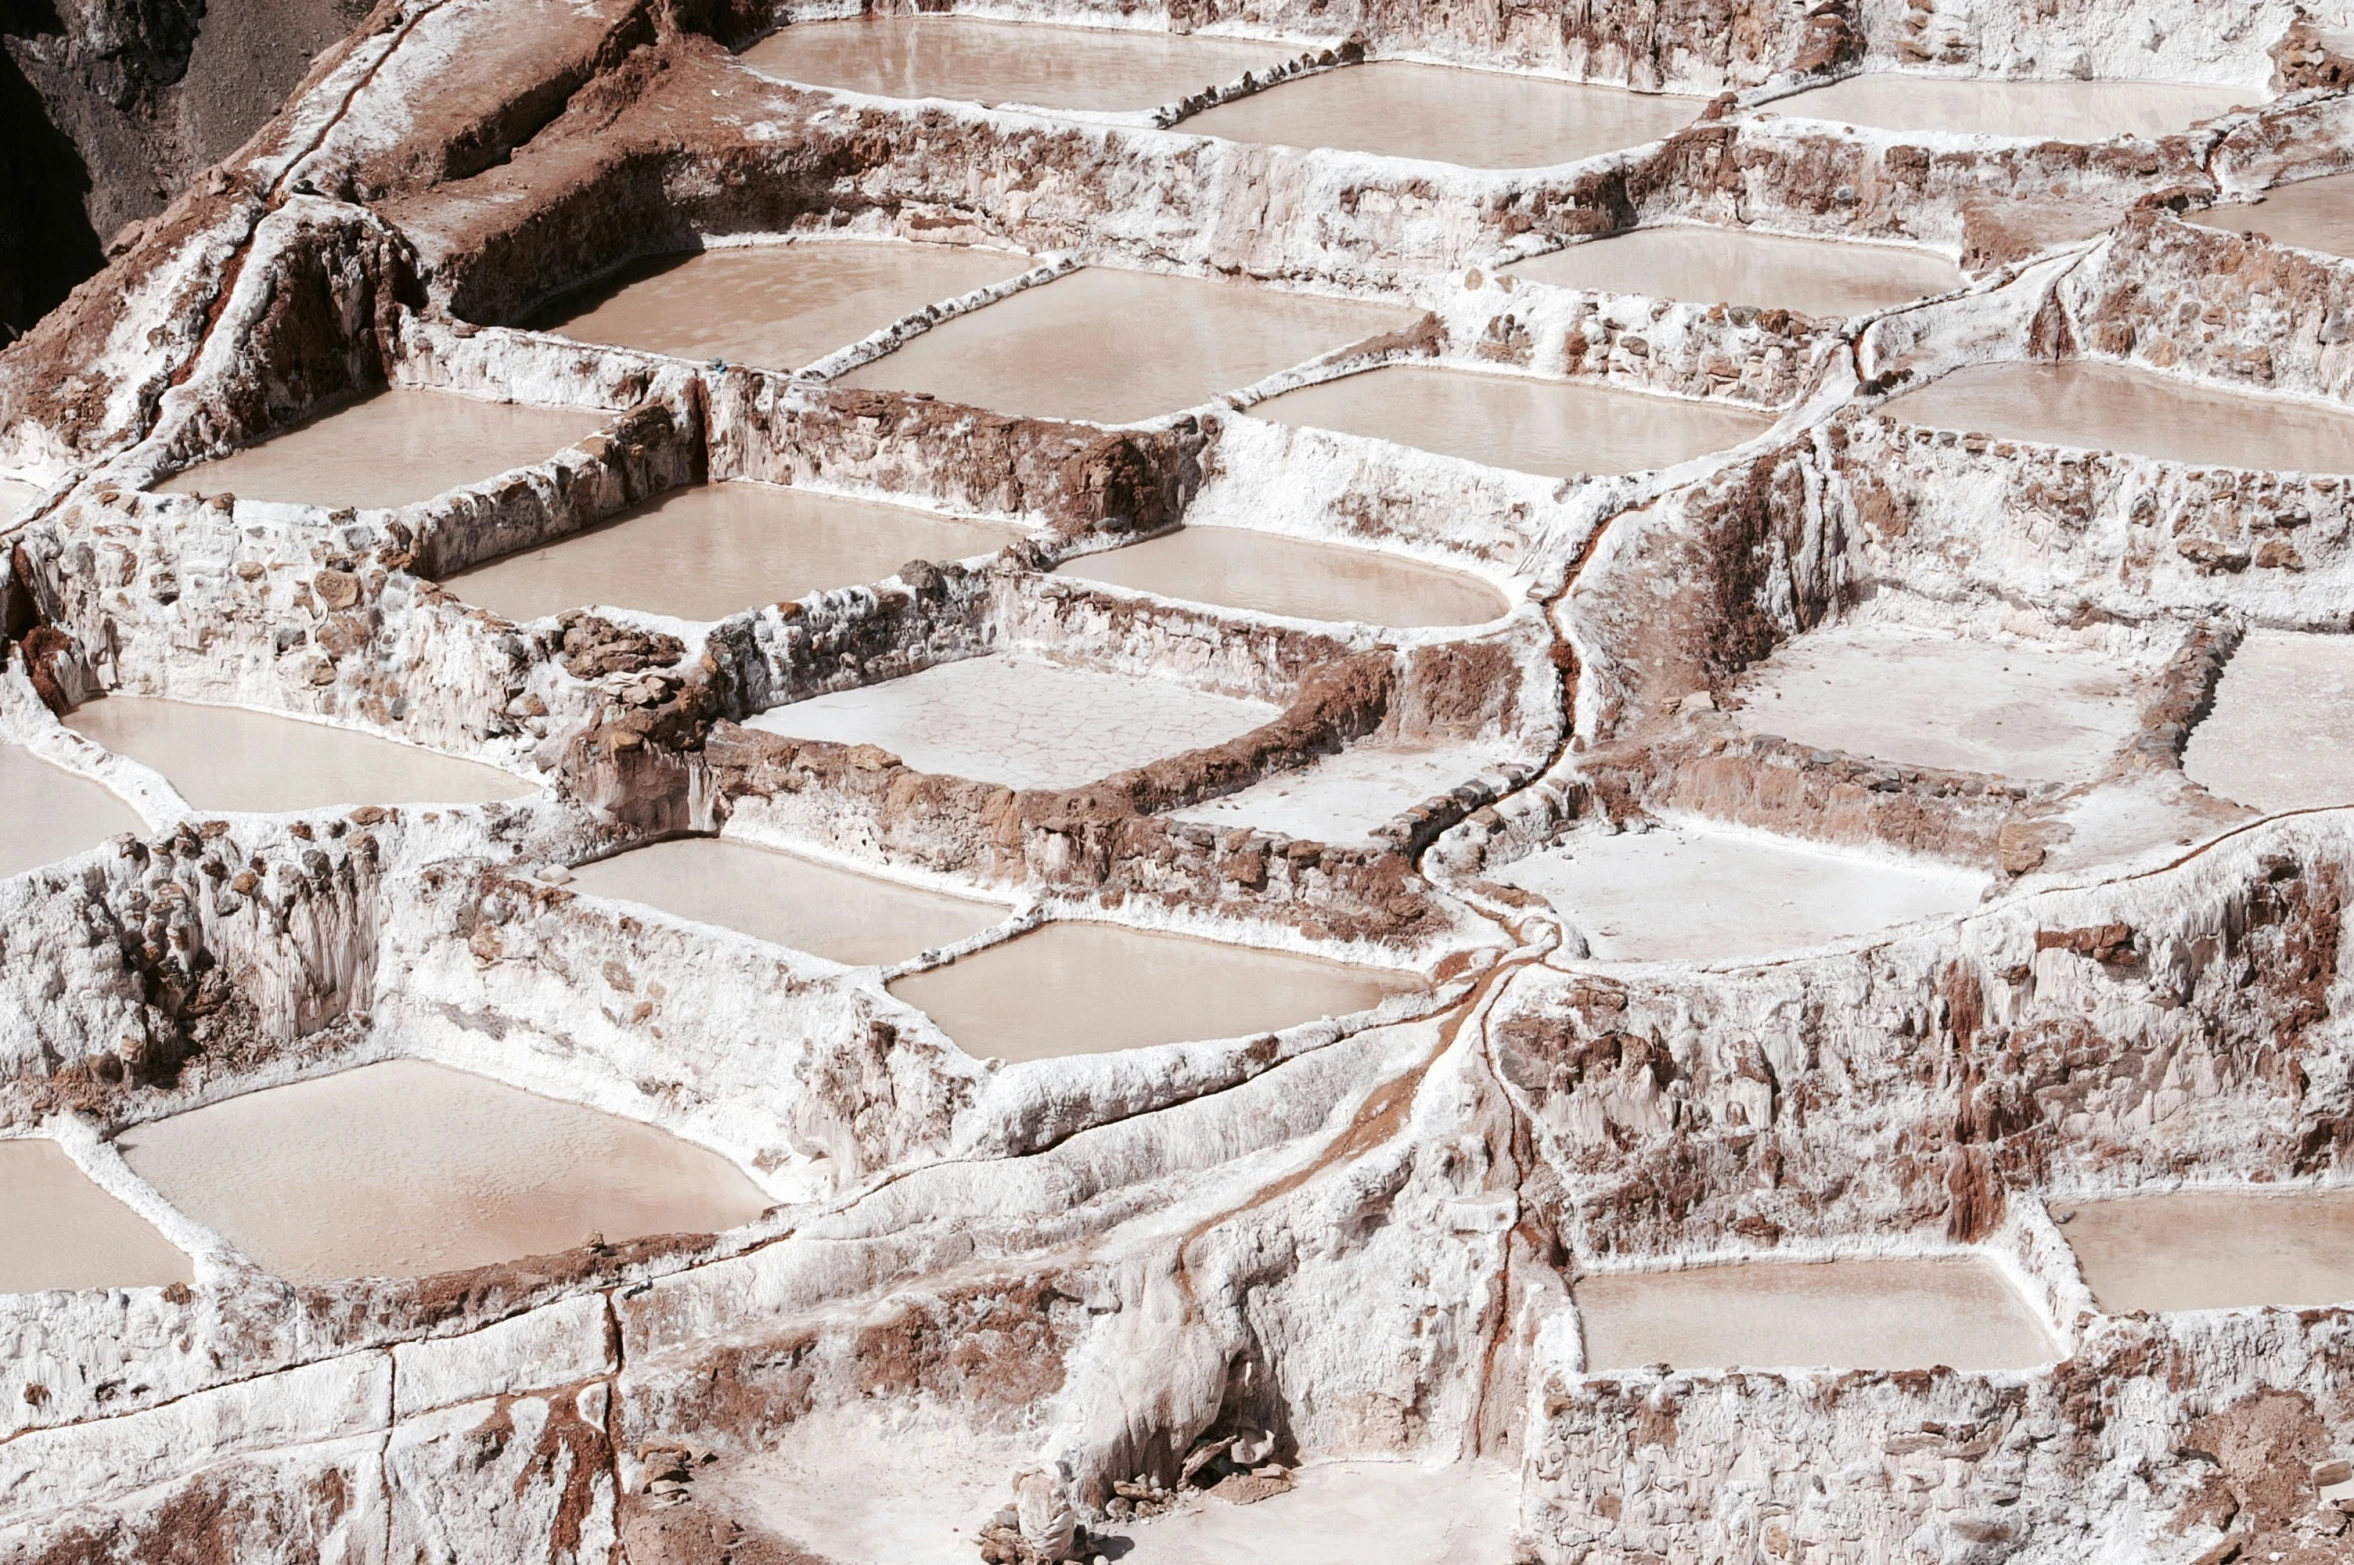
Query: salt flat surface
x,y
1737,266
1343,798
2079,111
1679,893
15,498
2017,709
2103,407
1272,574
1030,63
394,448
837,913
1919,1314
1071,987
2317,214
706,552
1117,346
47,813
405,1169
229,758
1022,723
2281,735
778,306
1558,428
2207,1250
1345,1513
58,1230
1449,114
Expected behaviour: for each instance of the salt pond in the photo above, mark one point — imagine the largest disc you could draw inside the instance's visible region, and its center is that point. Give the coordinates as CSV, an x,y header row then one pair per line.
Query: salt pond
x,y
2281,734
2077,111
1702,265
2317,214
1270,574
60,1230
2203,1250
48,813
1342,799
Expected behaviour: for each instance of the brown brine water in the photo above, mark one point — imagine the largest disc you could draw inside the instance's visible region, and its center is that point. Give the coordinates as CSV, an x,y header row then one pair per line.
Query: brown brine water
x,y
2317,214
713,550
2076,111
1080,988
2205,1250
405,1168
48,813
1270,574
1700,265
59,1230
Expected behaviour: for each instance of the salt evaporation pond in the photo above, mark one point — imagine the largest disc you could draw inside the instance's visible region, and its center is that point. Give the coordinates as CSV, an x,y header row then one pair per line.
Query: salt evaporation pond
x,y
1449,114
59,1230
2212,1250
1031,64
1267,573
1021,722
1912,698
394,448
1116,346
1910,1314
779,306
1341,799
836,913
405,1168
1559,428
1682,893
1348,1513
2076,111
706,552
2105,407
16,499
1702,265
1082,988
48,813
2317,214
2281,734
230,758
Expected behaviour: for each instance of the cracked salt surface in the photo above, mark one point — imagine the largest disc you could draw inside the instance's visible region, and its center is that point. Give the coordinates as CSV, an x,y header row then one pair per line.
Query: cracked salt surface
x,y
1073,987
1022,723
2316,214
404,1169
2281,733
1271,574
2105,407
706,552
1449,114
394,448
1703,265
1562,429
1115,346
1907,1314
2077,111
1685,893
836,913
1029,63
1913,698
47,813
778,306
59,1230
2215,1249
1343,798
230,758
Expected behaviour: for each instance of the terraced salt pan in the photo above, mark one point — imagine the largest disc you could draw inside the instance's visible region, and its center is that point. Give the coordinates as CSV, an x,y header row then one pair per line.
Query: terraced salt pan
x,y
1704,265
836,913
2104,407
230,758
2208,1250
1448,114
16,499
2317,214
1032,64
2078,111
1343,798
59,1230
47,813
394,448
1682,893
1019,722
1562,429
405,1168
1080,988
2016,709
1271,574
1346,1513
2281,734
712,550
1915,1314
777,306
1116,346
